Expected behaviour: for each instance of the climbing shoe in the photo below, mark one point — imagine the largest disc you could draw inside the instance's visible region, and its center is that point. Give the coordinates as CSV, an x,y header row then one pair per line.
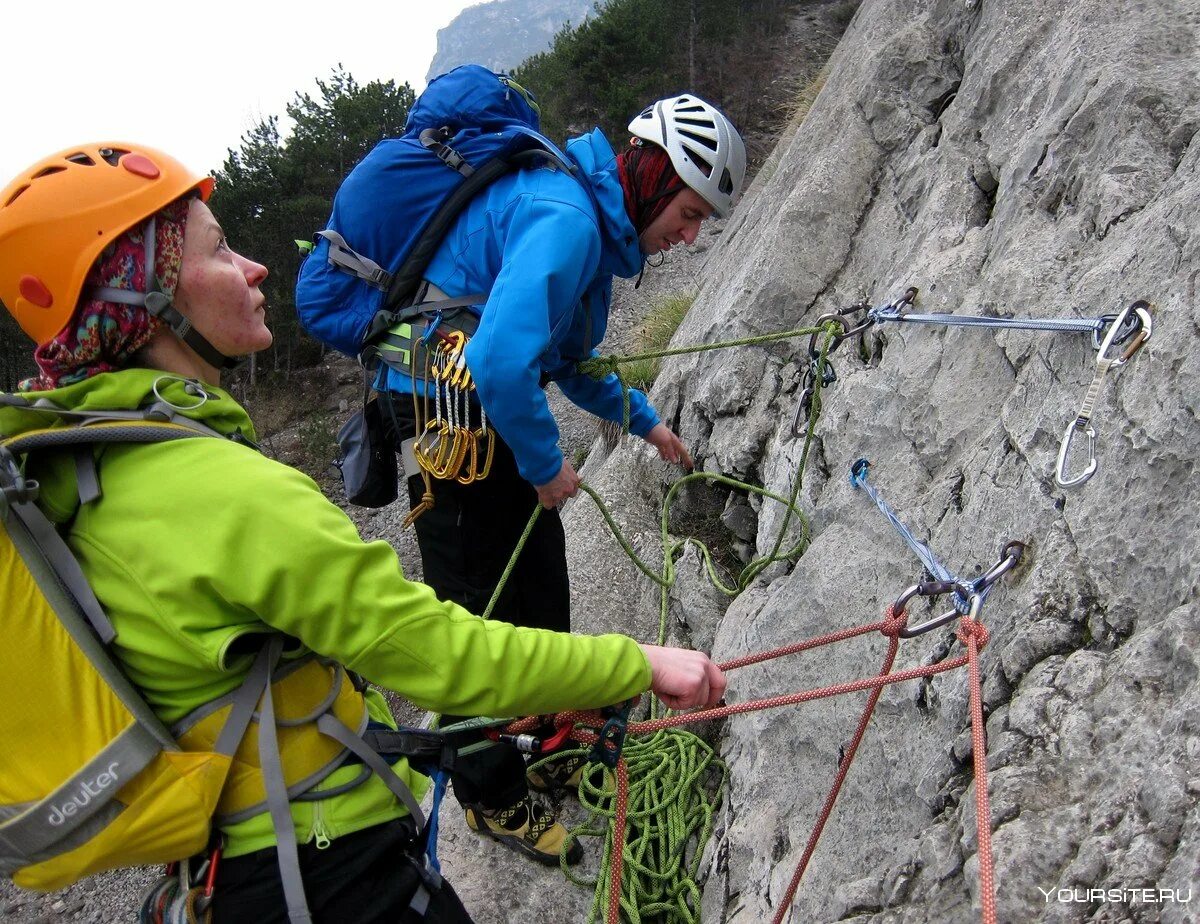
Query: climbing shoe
x,y
557,775
526,826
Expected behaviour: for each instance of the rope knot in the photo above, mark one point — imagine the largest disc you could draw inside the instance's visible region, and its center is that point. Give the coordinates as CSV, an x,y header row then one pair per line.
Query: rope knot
x,y
599,367
969,628
893,622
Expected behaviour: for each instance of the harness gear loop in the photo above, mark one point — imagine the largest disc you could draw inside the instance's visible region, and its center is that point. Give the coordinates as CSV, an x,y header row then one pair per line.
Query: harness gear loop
x,y
1106,359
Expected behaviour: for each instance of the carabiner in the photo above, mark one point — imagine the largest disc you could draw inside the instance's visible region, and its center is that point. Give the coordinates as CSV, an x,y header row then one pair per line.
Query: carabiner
x,y
836,317
1078,425
1120,327
930,589
1117,330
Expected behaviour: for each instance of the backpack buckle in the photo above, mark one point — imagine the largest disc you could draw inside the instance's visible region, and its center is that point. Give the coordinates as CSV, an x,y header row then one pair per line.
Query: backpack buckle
x,y
14,486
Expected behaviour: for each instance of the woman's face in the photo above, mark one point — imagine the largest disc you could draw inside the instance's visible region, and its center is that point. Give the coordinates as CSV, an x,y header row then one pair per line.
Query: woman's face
x,y
218,289
679,223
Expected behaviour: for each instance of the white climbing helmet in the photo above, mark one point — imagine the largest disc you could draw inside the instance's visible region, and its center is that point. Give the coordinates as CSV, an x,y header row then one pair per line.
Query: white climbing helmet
x,y
705,149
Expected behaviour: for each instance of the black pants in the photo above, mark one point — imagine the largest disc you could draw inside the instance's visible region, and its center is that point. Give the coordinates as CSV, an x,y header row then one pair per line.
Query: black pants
x,y
466,541
368,877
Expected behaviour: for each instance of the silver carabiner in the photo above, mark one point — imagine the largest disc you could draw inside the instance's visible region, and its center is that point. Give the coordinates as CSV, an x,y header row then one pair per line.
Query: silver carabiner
x,y
1118,331
924,589
1064,454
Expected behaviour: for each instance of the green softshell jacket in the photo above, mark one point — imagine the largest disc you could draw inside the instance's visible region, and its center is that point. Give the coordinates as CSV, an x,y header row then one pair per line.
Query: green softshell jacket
x,y
197,543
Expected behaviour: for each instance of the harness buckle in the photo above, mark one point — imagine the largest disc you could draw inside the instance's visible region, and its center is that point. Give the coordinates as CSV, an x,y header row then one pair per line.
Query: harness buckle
x,y
15,488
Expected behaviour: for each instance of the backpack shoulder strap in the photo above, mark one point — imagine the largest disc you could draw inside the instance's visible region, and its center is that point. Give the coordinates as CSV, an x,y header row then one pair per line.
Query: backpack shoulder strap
x,y
18,494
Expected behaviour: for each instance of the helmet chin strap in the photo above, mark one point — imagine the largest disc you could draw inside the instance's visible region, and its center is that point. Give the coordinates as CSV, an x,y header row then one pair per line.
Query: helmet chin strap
x,y
160,305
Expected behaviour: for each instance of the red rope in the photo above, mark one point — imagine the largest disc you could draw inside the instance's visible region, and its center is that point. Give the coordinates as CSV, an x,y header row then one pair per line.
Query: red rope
x,y
971,633
843,769
618,844
974,635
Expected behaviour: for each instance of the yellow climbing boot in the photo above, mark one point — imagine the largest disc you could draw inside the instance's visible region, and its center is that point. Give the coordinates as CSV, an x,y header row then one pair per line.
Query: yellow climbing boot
x,y
567,773
528,827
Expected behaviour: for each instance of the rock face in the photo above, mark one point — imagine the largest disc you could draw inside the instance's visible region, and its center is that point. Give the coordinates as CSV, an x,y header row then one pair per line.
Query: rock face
x,y
1012,160
502,34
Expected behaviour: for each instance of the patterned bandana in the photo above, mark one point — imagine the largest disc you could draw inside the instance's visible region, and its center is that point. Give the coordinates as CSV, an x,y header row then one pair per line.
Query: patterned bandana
x,y
102,336
648,181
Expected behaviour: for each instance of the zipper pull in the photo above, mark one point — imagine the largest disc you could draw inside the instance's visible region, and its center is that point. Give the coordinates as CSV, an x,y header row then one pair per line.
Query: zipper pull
x,y
320,835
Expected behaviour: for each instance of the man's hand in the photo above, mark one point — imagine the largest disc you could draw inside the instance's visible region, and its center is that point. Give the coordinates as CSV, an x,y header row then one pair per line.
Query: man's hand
x,y
565,484
669,446
683,678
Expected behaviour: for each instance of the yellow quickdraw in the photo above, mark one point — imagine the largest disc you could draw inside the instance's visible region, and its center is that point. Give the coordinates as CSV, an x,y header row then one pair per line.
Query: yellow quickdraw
x,y
447,447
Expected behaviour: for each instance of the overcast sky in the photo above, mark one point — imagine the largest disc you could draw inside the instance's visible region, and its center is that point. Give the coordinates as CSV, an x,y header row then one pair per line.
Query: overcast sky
x,y
190,78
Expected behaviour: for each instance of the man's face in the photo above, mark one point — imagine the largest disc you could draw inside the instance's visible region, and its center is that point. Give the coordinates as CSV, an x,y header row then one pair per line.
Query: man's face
x,y
679,223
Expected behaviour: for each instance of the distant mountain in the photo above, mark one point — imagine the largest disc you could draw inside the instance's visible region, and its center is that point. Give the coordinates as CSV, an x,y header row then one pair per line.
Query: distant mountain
x,y
503,33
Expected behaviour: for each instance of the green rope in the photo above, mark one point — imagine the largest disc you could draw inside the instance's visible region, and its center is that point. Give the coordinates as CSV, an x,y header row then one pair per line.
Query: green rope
x,y
599,367
512,563
675,778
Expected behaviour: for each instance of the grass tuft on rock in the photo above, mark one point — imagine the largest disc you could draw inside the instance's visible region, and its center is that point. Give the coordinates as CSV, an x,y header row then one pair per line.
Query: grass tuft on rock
x,y
654,334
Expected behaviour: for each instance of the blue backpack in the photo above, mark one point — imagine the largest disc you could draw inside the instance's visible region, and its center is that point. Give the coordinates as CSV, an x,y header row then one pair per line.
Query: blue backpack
x,y
468,128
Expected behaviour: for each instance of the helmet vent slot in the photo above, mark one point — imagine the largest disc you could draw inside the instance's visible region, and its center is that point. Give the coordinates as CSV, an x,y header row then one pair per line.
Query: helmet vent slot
x,y
80,158
48,171
112,155
708,143
700,160
14,196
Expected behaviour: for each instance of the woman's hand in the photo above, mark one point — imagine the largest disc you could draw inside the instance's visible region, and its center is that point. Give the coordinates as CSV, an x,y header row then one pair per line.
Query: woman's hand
x,y
563,485
669,446
684,679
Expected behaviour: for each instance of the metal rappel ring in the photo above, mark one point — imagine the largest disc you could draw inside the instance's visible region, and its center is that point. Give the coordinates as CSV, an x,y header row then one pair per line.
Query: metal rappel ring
x,y
190,386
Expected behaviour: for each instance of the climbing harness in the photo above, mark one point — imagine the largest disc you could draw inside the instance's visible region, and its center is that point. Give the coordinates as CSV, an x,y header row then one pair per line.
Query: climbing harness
x,y
1141,330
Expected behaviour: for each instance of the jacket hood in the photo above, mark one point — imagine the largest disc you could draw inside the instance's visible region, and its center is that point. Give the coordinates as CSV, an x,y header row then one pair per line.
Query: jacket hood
x,y
593,155
126,390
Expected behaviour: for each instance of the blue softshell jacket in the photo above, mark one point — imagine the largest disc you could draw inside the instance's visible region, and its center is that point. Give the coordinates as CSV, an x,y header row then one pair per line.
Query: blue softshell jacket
x,y
534,239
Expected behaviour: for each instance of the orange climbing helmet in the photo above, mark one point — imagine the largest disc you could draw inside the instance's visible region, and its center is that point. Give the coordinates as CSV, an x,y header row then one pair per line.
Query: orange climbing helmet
x,y
57,217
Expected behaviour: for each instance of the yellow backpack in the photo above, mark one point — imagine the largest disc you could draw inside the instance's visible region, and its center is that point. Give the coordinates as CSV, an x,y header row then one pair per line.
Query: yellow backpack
x,y
90,778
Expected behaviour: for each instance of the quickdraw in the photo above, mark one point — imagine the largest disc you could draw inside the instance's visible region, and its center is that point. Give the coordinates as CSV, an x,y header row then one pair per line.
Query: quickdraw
x,y
1105,360
447,446
1130,328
